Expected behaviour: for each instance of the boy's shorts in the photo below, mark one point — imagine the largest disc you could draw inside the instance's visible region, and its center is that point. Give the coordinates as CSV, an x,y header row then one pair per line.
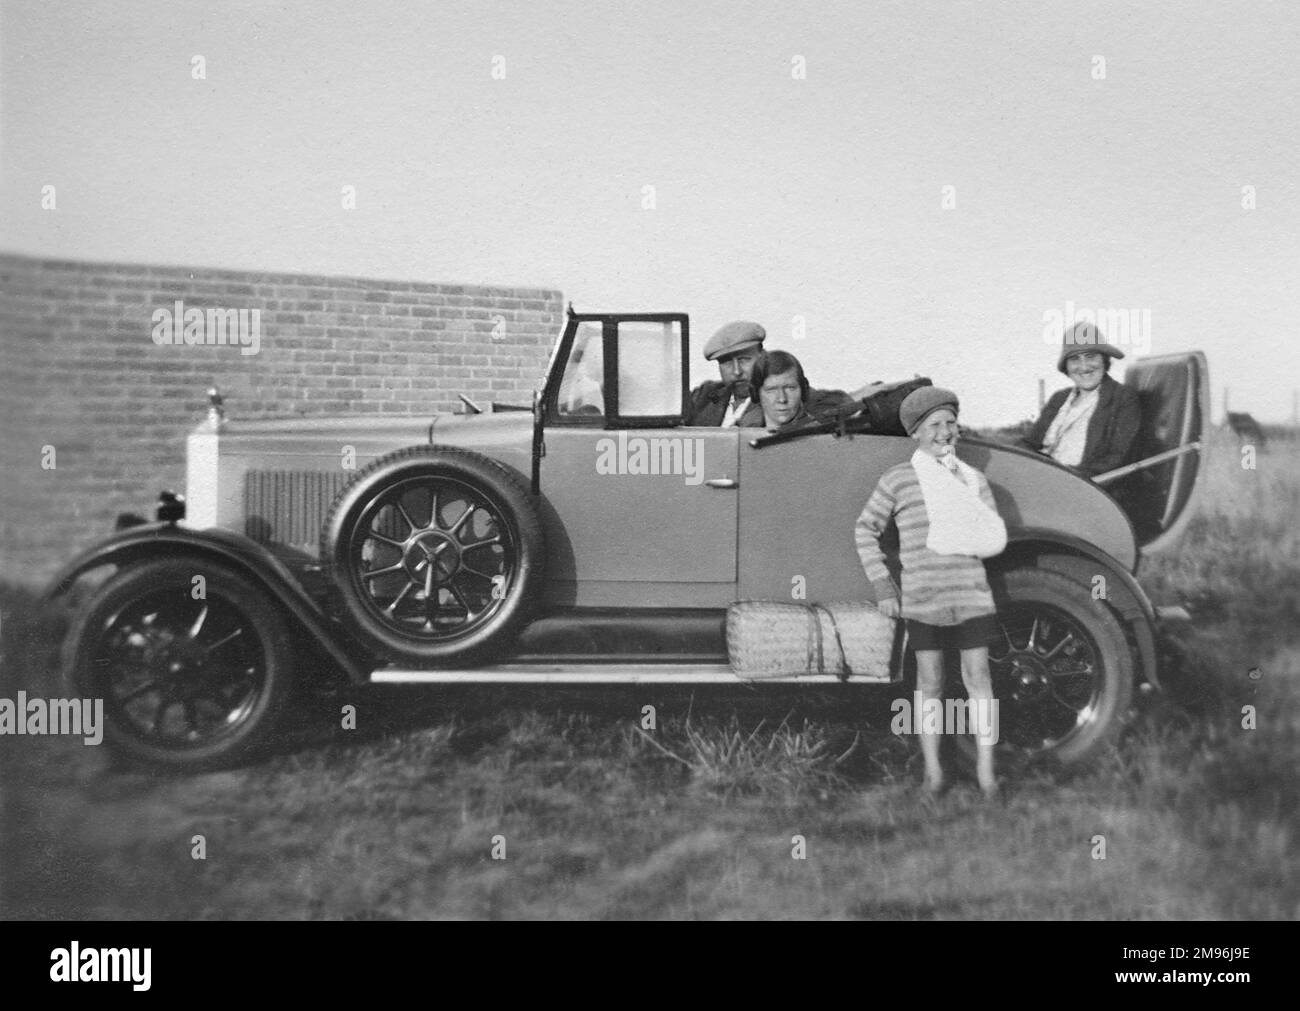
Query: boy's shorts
x,y
969,634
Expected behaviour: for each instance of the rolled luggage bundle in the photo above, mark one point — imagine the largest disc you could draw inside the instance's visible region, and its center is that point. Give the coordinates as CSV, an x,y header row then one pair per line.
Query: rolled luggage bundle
x,y
774,639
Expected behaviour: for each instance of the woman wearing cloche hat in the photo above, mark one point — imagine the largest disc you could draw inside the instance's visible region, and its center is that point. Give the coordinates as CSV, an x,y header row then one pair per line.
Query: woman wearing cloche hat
x,y
947,523
1093,425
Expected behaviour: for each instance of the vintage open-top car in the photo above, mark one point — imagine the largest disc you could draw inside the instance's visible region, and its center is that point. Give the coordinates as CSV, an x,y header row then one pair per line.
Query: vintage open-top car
x,y
591,539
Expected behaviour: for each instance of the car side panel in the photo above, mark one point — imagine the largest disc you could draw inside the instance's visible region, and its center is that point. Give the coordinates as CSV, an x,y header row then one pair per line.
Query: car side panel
x,y
799,502
617,537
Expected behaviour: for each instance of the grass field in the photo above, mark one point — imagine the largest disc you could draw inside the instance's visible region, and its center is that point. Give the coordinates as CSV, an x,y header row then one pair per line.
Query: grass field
x,y
597,818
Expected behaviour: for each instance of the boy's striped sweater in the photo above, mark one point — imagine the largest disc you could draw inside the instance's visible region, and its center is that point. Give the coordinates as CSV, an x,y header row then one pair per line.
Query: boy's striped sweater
x,y
937,589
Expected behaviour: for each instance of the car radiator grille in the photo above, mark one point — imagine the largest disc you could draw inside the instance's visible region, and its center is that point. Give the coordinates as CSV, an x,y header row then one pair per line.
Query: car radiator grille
x,y
289,506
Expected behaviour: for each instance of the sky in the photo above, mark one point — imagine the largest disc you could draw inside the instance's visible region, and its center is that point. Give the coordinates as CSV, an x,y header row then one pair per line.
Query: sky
x,y
783,162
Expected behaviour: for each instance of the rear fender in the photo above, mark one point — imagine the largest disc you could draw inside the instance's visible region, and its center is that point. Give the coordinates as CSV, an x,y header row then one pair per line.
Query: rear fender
x,y
1083,563
161,540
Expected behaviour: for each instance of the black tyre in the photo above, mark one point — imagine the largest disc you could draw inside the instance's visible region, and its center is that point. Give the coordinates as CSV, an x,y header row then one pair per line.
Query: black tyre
x,y
188,684
436,553
1062,670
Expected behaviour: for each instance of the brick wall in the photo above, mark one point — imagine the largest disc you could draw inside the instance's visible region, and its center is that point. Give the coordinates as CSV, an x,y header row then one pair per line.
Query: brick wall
x,y
80,372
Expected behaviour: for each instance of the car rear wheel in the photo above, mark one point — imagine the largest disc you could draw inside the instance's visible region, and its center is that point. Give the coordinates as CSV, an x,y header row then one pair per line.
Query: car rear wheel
x,y
436,554
193,672
1062,670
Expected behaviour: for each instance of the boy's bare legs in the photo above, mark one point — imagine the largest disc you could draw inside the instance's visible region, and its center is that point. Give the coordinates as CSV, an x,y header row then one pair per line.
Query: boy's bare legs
x,y
979,685
929,682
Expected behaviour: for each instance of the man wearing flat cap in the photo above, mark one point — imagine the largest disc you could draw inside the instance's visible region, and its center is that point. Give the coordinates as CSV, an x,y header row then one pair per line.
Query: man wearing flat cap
x,y
728,402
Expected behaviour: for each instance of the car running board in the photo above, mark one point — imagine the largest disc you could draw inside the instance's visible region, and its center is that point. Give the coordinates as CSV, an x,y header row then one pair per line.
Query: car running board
x,y
599,674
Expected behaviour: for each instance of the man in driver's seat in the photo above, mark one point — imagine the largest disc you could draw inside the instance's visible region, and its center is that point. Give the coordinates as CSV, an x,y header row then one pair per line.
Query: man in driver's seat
x,y
736,348
729,402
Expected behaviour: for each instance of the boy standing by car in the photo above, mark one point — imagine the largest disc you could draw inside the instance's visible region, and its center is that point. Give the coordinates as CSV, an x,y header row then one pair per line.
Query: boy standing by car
x,y
947,522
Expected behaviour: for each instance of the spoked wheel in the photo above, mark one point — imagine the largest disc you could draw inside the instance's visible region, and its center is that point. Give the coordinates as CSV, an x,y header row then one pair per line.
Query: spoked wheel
x,y
435,553
429,551
190,678
1061,667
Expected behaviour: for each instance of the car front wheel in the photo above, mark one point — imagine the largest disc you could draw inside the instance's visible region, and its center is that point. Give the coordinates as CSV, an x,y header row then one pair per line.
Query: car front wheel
x,y
190,658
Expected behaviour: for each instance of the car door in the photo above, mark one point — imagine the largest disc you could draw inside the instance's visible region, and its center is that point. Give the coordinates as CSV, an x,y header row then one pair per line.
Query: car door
x,y
639,511
800,501
1159,489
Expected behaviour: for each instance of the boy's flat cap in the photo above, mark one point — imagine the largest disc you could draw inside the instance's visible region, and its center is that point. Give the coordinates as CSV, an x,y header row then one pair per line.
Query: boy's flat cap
x,y
920,404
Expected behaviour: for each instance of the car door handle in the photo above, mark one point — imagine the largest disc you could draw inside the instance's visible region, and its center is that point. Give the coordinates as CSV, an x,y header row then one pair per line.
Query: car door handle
x,y
722,482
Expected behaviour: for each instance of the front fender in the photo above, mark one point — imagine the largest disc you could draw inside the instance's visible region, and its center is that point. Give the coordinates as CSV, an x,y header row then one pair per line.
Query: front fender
x,y
152,540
